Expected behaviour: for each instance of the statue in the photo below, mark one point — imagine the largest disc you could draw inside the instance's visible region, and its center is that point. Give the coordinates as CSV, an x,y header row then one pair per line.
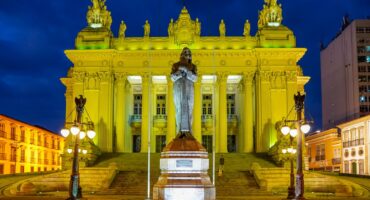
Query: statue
x,y
146,29
197,26
170,28
97,15
184,74
122,30
222,28
270,15
247,28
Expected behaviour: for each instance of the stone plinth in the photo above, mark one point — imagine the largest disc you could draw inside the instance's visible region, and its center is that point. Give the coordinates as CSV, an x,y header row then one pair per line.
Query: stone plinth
x,y
184,164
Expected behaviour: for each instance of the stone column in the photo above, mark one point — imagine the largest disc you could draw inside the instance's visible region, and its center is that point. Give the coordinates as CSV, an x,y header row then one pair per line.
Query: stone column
x,y
171,117
145,111
222,119
105,113
248,112
197,111
120,112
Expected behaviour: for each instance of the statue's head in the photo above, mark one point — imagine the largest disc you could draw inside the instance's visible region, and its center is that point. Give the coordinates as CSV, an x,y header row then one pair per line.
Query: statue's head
x,y
186,54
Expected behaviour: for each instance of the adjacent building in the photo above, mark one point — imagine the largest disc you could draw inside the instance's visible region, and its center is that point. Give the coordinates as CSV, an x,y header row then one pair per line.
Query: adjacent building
x,y
245,83
355,140
28,148
324,150
345,74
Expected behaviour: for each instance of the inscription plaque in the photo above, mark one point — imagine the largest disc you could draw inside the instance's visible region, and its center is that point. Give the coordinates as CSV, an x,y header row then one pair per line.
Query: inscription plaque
x,y
184,163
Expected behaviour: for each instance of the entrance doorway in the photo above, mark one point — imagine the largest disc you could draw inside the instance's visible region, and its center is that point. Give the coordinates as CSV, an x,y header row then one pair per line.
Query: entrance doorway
x,y
207,142
354,168
231,143
160,143
136,143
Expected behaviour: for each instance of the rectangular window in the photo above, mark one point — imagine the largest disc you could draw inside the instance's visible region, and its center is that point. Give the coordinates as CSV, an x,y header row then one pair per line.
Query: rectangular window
x,y
160,143
22,169
161,104
1,168
12,169
207,104
2,130
362,78
12,133
23,136
361,68
13,154
320,152
207,142
231,104
23,155
32,169
361,167
137,104
346,167
362,88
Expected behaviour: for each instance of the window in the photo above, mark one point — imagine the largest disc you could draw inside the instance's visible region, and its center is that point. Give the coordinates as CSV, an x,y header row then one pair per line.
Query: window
x,y
320,152
23,153
32,138
12,169
1,168
361,68
346,167
160,143
22,169
231,104
364,108
363,99
161,104
362,78
13,154
137,104
360,30
207,104
2,130
362,88
23,136
12,133
2,151
32,169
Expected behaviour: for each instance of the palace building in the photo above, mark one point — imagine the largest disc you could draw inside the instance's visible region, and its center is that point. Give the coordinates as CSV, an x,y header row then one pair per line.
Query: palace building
x,y
27,148
245,83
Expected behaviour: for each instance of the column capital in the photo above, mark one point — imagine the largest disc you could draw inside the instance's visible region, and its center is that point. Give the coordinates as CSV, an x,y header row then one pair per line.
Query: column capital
x,y
145,77
222,77
264,75
78,76
104,75
291,76
120,77
248,77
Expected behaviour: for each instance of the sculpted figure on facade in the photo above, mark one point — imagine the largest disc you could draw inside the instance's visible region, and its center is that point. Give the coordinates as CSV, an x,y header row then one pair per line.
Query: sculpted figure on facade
x,y
98,15
146,29
122,30
197,27
170,28
247,28
271,14
184,75
222,28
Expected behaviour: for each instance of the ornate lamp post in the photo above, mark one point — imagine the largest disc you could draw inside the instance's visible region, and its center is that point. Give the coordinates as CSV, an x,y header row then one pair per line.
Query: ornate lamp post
x,y
301,127
77,130
285,130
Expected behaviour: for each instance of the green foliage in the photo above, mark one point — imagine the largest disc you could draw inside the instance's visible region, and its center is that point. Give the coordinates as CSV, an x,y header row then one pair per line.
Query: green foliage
x,y
276,153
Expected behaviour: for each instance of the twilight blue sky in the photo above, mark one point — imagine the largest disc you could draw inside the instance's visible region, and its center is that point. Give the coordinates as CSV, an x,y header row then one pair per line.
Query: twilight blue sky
x,y
34,34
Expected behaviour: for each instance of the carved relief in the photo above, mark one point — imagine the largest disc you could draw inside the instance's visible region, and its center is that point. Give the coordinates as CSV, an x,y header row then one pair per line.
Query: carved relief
x,y
291,76
78,76
264,75
105,76
92,81
278,80
222,77
120,78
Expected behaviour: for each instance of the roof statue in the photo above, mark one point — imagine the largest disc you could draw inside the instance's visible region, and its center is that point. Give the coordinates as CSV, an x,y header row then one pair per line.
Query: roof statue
x,y
222,28
185,30
122,30
170,28
98,16
146,28
270,15
247,28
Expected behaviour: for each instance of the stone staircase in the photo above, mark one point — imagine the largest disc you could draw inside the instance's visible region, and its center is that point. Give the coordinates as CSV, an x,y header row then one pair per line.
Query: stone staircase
x,y
132,177
276,180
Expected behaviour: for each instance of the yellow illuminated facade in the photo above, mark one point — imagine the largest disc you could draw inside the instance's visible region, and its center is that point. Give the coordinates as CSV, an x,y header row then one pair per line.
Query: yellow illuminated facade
x,y
27,148
245,86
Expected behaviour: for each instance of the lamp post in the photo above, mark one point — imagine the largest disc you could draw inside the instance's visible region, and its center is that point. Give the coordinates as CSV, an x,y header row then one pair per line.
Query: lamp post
x,y
292,133
77,130
301,127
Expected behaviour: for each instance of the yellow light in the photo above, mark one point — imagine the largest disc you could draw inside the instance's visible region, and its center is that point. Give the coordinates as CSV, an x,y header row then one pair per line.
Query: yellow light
x,y
84,151
64,132
284,151
91,134
82,135
75,130
293,132
285,130
305,128
69,150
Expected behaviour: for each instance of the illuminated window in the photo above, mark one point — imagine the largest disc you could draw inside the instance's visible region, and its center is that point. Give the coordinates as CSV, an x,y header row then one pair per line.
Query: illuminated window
x,y
363,98
231,104
320,152
137,104
23,136
161,104
207,104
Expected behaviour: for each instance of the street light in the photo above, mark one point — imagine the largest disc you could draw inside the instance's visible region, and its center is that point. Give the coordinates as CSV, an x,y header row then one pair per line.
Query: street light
x,y
78,130
301,126
285,130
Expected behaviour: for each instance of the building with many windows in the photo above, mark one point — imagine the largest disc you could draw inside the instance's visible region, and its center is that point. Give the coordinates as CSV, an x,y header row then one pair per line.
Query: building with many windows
x,y
356,152
348,57
245,83
324,150
28,148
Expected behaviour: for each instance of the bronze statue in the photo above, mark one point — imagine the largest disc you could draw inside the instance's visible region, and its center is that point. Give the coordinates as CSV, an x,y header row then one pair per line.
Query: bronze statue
x,y
184,74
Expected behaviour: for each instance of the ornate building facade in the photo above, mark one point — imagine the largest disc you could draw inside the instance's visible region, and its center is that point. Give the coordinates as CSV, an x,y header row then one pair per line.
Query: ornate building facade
x,y
245,86
26,148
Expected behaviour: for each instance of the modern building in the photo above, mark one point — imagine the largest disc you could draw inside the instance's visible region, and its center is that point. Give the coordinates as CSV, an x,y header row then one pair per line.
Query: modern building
x,y
345,74
245,83
356,151
28,148
324,150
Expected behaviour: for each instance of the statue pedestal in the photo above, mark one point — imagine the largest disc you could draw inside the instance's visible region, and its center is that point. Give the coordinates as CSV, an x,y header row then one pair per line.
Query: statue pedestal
x,y
184,164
